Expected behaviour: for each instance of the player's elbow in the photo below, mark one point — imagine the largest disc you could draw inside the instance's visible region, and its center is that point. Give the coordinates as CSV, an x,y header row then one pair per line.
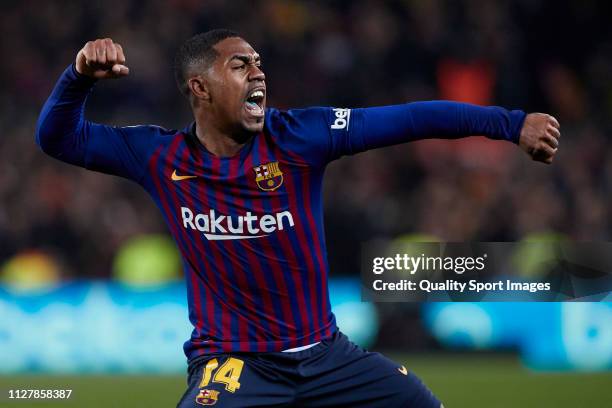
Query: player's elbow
x,y
61,143
56,141
44,138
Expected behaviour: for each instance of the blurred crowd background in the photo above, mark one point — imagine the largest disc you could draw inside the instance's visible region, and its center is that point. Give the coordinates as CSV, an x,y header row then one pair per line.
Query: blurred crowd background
x,y
546,56
71,239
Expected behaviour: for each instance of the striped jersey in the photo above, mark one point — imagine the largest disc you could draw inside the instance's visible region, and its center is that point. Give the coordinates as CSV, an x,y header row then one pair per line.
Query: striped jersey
x,y
250,227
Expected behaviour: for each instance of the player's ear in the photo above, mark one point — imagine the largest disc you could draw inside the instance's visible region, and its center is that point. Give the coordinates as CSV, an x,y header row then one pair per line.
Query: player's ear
x,y
198,88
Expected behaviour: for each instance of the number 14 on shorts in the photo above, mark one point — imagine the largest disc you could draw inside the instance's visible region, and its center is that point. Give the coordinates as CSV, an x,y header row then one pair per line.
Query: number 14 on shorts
x,y
228,373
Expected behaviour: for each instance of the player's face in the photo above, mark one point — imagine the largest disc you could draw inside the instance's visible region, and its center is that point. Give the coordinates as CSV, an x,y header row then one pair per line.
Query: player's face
x,y
237,86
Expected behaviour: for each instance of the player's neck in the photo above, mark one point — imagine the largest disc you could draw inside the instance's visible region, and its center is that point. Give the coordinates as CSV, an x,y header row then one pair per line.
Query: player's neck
x,y
220,143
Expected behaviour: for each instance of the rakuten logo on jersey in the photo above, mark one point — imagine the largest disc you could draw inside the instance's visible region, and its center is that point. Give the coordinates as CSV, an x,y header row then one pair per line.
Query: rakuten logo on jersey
x,y
343,116
223,227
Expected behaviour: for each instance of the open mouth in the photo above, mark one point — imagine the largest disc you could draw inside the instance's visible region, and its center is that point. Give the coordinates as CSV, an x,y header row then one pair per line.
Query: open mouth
x,y
254,102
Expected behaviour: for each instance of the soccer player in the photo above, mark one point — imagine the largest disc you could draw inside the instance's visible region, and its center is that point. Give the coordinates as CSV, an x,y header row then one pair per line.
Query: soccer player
x,y
240,190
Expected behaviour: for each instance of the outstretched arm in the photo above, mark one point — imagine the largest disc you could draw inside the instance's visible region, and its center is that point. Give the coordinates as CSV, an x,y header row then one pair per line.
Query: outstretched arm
x,y
357,130
63,132
319,134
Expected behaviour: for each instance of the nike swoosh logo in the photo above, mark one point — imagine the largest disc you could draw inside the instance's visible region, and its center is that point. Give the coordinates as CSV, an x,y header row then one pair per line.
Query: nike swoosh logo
x,y
403,370
176,177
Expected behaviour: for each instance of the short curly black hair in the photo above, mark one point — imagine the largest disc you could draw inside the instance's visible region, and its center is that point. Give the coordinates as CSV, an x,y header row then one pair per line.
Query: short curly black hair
x,y
198,51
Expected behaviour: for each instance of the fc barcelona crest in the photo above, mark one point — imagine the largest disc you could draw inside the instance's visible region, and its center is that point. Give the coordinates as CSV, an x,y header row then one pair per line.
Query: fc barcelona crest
x,y
268,176
207,397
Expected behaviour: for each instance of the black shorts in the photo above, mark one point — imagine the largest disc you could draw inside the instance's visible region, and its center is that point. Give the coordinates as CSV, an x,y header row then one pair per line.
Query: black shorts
x,y
334,373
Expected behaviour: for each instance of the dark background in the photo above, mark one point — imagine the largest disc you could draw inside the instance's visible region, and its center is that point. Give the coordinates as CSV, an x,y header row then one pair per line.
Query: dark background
x,y
60,223
545,56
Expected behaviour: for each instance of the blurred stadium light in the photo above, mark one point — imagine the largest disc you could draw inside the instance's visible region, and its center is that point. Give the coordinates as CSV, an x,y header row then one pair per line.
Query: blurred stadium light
x,y
147,260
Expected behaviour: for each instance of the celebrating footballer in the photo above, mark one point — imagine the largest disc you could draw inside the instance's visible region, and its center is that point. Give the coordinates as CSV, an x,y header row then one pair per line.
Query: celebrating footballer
x,y
240,190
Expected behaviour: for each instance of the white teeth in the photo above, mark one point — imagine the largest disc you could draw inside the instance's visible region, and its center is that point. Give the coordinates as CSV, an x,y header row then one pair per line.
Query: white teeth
x,y
257,94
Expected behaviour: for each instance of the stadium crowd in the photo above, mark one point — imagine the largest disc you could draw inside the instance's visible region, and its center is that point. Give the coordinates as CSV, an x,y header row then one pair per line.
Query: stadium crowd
x,y
539,56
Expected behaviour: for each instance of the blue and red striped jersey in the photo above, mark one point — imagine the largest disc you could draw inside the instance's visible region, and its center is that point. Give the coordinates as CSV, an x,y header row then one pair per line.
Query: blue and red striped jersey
x,y
250,227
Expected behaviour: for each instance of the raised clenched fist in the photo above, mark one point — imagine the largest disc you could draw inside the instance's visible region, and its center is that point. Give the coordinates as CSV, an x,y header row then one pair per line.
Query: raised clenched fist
x,y
102,59
540,137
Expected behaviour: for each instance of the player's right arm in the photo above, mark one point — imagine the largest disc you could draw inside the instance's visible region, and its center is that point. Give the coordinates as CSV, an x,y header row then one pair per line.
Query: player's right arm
x,y
63,132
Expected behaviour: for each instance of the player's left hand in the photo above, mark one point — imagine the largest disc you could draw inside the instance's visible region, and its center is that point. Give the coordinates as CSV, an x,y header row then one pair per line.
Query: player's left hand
x,y
540,137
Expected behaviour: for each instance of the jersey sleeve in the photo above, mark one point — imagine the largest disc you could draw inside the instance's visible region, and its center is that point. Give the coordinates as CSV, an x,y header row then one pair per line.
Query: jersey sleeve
x,y
121,151
63,133
302,134
320,135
